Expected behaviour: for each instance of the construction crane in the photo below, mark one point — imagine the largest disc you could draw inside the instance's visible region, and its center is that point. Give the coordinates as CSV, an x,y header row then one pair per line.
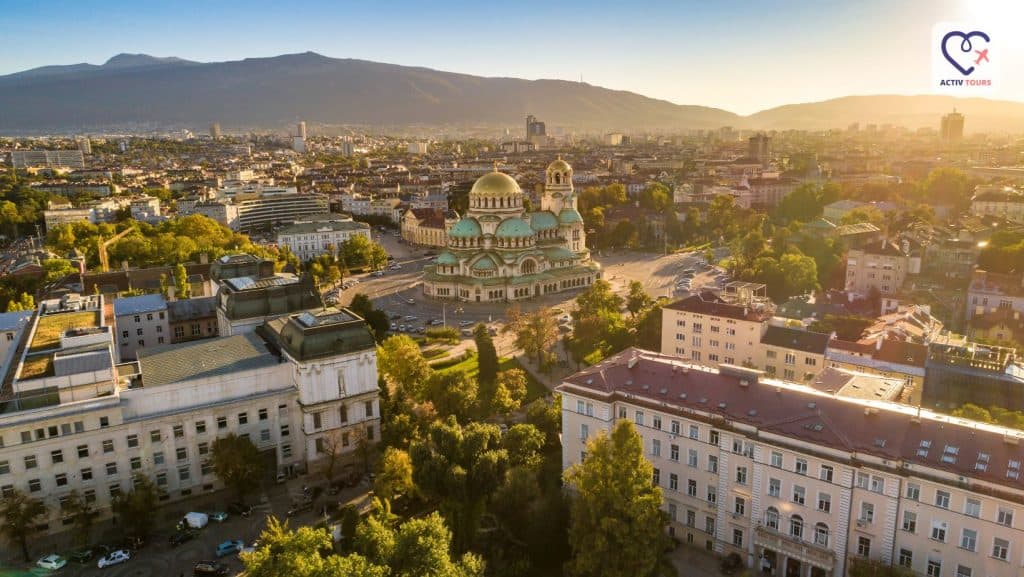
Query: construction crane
x,y
103,244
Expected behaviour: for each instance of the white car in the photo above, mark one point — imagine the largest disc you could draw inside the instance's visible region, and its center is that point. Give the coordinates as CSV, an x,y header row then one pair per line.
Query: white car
x,y
115,558
465,323
52,562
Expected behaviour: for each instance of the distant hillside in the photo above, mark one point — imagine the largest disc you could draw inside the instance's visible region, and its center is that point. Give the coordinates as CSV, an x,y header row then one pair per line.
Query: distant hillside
x,y
137,89
982,115
270,91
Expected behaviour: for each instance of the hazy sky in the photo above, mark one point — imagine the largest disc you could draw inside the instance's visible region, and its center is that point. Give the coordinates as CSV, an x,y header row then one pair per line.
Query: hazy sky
x,y
740,56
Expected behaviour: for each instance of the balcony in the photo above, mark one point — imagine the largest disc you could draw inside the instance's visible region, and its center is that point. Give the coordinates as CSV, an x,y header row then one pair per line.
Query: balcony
x,y
790,546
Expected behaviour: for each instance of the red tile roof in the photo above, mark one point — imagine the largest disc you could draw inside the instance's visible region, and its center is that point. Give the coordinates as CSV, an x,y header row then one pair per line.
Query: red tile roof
x,y
885,430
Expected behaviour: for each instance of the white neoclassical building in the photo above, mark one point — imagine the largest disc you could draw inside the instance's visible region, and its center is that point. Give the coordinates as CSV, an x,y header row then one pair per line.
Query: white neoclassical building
x,y
799,481
499,252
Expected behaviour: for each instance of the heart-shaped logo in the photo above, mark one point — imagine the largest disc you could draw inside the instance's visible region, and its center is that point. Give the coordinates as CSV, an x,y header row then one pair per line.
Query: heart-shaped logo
x,y
965,47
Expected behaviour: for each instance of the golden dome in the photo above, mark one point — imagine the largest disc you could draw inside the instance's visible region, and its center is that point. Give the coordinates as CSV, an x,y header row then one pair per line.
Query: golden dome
x,y
495,184
559,165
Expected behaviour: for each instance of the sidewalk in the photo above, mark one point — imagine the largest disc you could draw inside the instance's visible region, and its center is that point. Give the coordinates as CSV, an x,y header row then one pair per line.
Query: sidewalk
x,y
692,561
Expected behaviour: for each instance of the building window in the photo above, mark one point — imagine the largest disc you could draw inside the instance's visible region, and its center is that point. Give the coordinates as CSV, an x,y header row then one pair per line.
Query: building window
x,y
656,478
638,418
867,513
222,422
135,463
158,458
774,487
1000,549
863,546
61,479
133,441
265,435
776,459
972,508
1005,517
942,499
741,475
821,535
34,486
796,526
934,568
317,420
801,467
713,438
824,502
826,472
673,452
179,431
674,427
799,495
691,487
57,456
910,521
184,474
968,539
939,531
740,506
771,518
204,448
913,492
713,464
30,462
655,448
200,427
154,436
86,474
243,418
673,482
906,558
108,446
111,469
655,420
181,453
737,537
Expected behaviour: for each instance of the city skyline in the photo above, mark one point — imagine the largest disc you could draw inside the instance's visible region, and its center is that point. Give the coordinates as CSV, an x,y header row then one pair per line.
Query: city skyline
x,y
686,54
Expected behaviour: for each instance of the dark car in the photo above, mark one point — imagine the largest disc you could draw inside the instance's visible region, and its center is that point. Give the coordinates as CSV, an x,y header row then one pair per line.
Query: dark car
x,y
82,556
209,568
181,537
240,509
300,508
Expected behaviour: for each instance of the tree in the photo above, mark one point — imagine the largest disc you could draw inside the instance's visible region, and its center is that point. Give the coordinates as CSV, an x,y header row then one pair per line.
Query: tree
x,y
509,391
182,289
624,235
535,332
524,444
617,526
418,548
377,319
452,393
304,552
547,417
875,568
24,303
637,299
487,359
135,508
237,462
80,510
21,514
800,272
459,467
400,360
394,476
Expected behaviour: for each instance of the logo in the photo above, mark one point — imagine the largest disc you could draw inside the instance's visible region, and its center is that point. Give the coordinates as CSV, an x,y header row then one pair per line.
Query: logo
x,y
964,59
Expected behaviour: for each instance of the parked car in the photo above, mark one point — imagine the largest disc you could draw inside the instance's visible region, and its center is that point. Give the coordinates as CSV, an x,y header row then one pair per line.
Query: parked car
x,y
467,332
436,322
465,323
82,556
394,327
218,516
300,508
194,520
401,328
209,568
410,301
115,558
410,318
251,548
52,562
181,537
378,273
230,547
238,508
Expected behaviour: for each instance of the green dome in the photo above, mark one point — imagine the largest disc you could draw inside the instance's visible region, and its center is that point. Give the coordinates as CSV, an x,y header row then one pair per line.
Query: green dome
x,y
495,184
569,216
446,258
543,220
513,228
485,263
466,228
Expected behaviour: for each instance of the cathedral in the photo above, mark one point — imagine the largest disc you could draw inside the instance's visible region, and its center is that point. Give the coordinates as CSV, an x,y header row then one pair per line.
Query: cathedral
x,y
498,252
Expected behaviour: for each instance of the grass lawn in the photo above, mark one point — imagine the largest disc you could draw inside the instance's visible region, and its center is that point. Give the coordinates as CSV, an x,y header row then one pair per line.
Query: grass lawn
x,y
534,389
37,366
50,327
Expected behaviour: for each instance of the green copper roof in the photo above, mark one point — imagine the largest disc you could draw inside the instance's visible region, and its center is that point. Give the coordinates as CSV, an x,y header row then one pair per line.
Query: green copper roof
x,y
569,216
485,263
558,253
466,228
494,183
513,228
446,258
543,220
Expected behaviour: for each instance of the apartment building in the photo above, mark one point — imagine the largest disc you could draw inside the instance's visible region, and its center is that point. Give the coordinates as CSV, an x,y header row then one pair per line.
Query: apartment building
x,y
999,201
140,321
883,266
884,357
427,226
705,328
308,238
792,354
246,302
990,292
47,158
12,325
76,420
799,481
958,372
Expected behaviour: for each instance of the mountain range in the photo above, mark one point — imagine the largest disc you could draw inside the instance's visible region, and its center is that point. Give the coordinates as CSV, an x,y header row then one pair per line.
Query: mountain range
x,y
138,89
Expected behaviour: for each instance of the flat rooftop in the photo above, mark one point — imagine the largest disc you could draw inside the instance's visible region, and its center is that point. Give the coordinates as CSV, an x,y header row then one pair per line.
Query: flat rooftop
x,y
203,359
50,327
